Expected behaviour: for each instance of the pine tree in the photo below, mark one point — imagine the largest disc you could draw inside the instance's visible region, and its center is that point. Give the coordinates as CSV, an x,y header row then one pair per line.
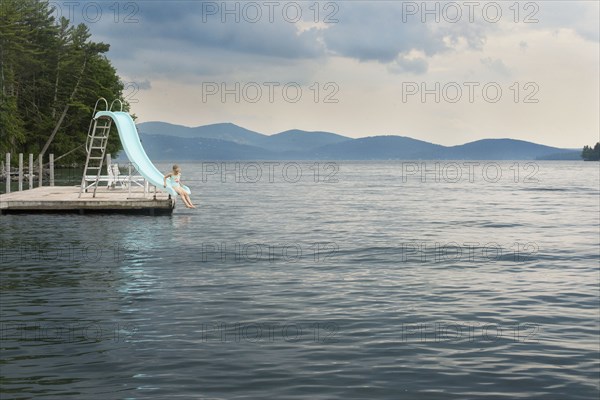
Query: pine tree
x,y
51,74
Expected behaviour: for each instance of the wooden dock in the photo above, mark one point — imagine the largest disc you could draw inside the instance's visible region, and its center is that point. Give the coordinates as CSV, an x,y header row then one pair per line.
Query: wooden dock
x,y
65,199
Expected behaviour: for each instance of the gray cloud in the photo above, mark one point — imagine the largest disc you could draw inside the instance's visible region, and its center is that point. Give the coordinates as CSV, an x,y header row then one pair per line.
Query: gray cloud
x,y
365,31
185,38
375,32
178,41
144,84
187,23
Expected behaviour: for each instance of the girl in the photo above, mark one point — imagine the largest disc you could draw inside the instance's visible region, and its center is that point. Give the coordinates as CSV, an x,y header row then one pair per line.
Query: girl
x,y
176,184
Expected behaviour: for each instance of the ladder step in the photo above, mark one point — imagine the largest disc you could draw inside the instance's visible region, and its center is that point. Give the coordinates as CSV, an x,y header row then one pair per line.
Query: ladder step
x,y
97,139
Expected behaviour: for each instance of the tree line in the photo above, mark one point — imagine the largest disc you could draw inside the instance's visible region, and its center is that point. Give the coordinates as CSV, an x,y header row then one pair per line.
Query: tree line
x,y
51,74
591,154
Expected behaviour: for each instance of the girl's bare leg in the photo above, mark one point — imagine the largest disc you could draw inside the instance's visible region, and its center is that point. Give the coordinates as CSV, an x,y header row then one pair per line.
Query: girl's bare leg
x,y
189,200
186,201
183,196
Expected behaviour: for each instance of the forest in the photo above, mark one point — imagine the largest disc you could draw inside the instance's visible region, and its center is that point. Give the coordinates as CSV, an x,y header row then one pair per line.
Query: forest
x,y
51,74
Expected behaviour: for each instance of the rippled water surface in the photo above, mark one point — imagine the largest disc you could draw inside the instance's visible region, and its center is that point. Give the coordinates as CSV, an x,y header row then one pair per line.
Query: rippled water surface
x,y
364,280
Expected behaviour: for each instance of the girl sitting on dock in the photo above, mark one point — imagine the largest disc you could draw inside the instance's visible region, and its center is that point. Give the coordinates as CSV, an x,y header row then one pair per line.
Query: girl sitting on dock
x,y
175,177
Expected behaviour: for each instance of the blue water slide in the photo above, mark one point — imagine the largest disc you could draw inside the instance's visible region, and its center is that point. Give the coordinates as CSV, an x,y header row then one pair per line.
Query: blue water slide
x,y
135,151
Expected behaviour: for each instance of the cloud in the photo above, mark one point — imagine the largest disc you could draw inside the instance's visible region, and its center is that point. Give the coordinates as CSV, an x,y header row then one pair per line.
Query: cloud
x,y
364,31
375,32
144,85
523,45
411,64
496,65
205,37
579,16
179,41
187,24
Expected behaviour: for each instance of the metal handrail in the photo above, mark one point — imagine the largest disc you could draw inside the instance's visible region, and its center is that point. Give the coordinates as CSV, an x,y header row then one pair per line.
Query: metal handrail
x,y
93,120
113,102
98,101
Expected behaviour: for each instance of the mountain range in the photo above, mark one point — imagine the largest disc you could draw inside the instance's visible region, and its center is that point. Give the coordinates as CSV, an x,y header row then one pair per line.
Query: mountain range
x,y
226,141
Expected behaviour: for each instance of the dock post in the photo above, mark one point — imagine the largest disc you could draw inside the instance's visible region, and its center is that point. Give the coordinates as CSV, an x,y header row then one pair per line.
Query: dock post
x,y
41,176
20,172
30,171
129,181
111,181
7,170
51,169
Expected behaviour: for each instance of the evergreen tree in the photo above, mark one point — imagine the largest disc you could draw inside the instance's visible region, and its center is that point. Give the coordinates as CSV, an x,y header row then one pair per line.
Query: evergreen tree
x,y
51,74
591,154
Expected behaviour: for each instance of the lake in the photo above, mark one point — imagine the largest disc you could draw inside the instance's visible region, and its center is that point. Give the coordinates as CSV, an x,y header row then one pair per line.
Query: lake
x,y
366,280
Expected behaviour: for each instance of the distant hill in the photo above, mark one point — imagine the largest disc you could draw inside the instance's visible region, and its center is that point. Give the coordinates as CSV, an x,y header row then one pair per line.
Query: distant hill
x,y
226,131
378,148
163,147
226,141
293,140
499,149
297,140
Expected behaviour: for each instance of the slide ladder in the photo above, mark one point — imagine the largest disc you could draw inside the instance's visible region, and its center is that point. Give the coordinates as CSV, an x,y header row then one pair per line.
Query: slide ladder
x,y
95,145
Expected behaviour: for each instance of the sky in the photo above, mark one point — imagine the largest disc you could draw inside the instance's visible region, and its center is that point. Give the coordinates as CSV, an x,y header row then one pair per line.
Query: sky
x,y
439,71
